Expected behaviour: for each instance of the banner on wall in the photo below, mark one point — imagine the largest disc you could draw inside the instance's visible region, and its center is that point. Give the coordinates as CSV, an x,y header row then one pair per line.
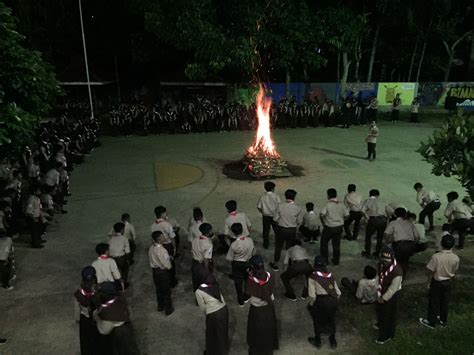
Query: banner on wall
x,y
387,91
448,95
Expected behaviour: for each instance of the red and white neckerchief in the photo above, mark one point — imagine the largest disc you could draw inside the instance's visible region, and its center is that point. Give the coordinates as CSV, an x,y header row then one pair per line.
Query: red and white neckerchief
x,y
108,303
241,238
103,257
85,293
203,237
335,200
290,201
261,282
383,275
233,214
325,275
159,220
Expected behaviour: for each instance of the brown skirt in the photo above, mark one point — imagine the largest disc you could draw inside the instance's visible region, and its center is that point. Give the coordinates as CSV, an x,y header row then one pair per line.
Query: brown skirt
x,y
262,333
217,338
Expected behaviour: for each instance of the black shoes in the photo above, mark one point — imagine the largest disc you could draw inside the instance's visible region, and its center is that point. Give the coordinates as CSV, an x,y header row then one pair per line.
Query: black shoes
x,y
274,267
332,341
315,341
291,297
169,312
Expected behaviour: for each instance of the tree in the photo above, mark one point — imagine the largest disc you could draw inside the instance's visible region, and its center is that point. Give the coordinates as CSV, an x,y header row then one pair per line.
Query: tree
x,y
451,151
27,84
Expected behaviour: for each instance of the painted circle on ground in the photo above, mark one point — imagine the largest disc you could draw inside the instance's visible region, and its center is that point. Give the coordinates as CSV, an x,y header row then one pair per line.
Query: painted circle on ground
x,y
170,176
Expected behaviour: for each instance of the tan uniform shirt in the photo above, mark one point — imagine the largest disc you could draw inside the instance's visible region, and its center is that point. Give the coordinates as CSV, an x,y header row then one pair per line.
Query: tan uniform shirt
x,y
106,270
164,227
268,203
242,249
33,207
237,217
129,231
201,248
444,265
311,221
424,197
353,201
373,134
159,257
295,253
402,229
52,178
33,171
457,210
207,303
288,215
372,207
333,213
394,287
6,248
118,245
315,289
367,290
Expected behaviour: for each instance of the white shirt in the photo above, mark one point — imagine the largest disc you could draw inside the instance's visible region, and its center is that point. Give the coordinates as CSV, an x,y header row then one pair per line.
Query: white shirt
x,y
237,217
268,203
118,245
164,227
353,201
106,270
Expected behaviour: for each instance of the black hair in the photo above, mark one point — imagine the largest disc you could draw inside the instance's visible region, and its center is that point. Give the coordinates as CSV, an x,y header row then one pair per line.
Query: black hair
x,y
205,229
332,193
448,241
231,205
197,214
269,186
453,195
370,272
236,228
418,186
411,215
401,212
119,227
290,194
58,165
446,228
351,188
125,216
101,248
159,211
156,235
309,206
374,192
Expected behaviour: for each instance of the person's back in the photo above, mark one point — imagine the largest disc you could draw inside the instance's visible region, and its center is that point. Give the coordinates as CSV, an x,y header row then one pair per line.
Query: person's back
x,y
367,290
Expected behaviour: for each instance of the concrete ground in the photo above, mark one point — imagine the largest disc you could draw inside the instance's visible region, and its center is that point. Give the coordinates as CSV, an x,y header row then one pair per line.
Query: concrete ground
x,y
124,176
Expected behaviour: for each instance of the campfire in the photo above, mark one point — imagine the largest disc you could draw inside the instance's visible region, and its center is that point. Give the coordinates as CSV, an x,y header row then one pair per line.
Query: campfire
x,y
261,158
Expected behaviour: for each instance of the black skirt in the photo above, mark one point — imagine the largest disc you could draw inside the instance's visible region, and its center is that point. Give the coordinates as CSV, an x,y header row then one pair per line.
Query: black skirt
x,y
88,336
262,333
217,338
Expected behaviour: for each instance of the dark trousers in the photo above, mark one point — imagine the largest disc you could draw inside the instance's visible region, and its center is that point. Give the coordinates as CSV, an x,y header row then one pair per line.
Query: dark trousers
x,y
323,313
5,272
428,210
170,249
404,249
438,301
371,153
414,117
350,286
122,264
88,336
395,115
375,225
240,275
309,235
133,249
334,234
161,279
386,318
37,230
268,223
283,236
461,226
295,269
353,217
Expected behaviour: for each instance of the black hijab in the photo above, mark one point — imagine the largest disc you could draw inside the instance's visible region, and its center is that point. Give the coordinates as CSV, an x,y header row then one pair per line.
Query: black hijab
x,y
207,282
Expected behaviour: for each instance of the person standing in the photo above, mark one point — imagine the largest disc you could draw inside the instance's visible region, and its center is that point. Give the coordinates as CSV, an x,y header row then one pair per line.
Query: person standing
x,y
234,217
267,206
211,302
240,252
262,333
429,202
389,283
403,236
34,214
160,264
162,225
311,227
371,141
459,217
324,294
106,268
442,266
119,250
297,263
288,217
332,217
375,213
6,257
415,106
130,235
396,106
353,202
202,250
372,108
194,223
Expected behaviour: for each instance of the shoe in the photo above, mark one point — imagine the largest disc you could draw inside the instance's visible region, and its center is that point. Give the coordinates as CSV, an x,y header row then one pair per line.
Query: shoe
x,y
274,267
348,237
442,324
9,288
291,297
366,254
375,326
334,263
13,278
430,229
303,297
3,341
314,241
169,311
381,342
426,323
241,304
246,300
316,342
38,247
332,341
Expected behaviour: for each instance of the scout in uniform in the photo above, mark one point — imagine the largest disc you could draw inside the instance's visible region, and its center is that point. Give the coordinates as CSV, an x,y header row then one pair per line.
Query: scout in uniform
x,y
288,216
211,302
365,290
240,252
389,283
459,217
403,236
234,217
371,141
376,216
442,270
6,257
297,263
353,202
119,250
160,264
162,225
324,294
194,223
396,105
34,213
130,235
267,205
429,202
262,334
422,242
311,226
202,249
332,217
106,268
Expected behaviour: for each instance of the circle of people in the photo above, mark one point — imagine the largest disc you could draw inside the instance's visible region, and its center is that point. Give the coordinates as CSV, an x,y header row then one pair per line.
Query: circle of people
x,y
103,312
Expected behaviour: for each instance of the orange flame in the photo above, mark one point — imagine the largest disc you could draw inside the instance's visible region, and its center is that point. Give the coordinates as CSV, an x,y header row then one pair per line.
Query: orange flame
x,y
263,144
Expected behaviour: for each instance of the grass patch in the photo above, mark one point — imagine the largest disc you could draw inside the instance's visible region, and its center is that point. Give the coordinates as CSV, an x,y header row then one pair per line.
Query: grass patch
x,y
411,337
